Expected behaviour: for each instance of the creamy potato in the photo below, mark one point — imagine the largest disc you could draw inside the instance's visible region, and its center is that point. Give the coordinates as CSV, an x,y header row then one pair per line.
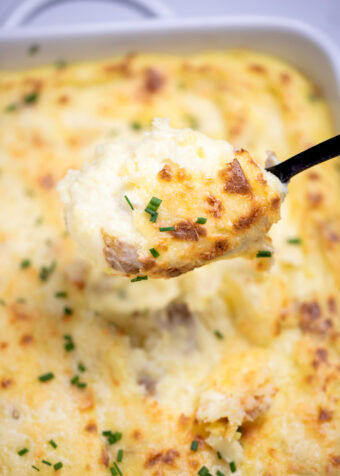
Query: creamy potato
x,y
241,361
168,202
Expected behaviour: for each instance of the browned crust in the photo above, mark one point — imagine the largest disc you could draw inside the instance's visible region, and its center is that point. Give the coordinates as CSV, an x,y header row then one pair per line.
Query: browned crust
x,y
154,80
46,181
220,248
165,173
188,231
216,206
235,179
246,221
324,415
120,256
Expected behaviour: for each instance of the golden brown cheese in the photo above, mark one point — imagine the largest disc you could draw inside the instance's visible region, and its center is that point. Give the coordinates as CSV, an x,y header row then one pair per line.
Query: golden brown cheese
x,y
154,351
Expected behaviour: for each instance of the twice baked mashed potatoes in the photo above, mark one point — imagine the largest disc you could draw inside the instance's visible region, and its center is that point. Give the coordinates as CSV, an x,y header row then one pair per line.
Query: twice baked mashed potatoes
x,y
215,203
242,362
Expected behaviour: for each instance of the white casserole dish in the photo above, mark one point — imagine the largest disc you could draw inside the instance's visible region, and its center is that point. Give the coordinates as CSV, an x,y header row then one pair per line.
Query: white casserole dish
x,y
306,48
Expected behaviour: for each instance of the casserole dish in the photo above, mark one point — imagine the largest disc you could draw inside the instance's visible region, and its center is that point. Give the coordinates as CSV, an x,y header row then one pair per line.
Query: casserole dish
x,y
297,43
225,370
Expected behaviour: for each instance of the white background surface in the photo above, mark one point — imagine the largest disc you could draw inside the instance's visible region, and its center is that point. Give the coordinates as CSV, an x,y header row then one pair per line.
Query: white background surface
x,y
323,14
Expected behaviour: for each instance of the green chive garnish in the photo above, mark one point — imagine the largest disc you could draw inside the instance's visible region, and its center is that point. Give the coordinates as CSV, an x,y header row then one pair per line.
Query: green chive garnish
x,y
219,473
81,367
139,278
263,254
74,380
194,445
46,377
218,334
53,444
130,204
81,385
46,462
60,64
111,437
25,263
201,220
58,466
46,271
294,241
33,49
68,310
23,452
204,471
31,98
11,107
154,252
152,208
120,455
136,125
61,294
219,456
232,466
34,467
167,228
69,344
118,471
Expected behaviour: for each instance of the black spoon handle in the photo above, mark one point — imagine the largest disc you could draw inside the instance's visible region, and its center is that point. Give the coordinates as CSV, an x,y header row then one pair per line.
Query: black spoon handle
x,y
300,162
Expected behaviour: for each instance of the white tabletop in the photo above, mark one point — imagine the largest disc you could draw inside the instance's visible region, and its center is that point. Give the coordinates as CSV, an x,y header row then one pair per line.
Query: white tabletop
x,y
322,14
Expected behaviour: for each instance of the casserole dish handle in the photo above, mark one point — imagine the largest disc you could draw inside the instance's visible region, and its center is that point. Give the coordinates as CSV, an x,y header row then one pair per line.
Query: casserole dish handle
x,y
30,8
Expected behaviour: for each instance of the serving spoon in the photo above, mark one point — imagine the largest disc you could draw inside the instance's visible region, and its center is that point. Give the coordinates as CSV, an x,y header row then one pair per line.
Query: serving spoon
x,y
308,158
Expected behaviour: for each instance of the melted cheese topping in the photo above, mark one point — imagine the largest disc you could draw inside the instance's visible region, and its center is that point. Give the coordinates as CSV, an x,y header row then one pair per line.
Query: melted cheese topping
x,y
107,214
242,361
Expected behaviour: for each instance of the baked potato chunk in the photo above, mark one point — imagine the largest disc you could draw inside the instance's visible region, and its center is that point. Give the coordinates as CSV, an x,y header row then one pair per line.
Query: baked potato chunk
x,y
169,201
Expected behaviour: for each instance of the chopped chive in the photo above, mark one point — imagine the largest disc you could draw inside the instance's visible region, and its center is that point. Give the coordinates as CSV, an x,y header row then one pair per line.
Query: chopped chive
x,y
31,98
60,64
74,380
68,310
135,125
219,456
204,471
239,429
11,107
153,217
120,455
34,467
111,437
263,254
294,241
115,465
194,445
232,466
81,367
33,49
219,473
201,220
46,377
25,263
192,121
113,471
46,462
69,344
23,452
139,278
58,466
167,228
81,385
61,294
46,271
154,252
130,204
218,334
313,97
53,444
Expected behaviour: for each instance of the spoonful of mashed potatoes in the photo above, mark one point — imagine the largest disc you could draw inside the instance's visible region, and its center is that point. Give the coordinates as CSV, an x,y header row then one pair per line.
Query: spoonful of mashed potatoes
x,y
169,201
